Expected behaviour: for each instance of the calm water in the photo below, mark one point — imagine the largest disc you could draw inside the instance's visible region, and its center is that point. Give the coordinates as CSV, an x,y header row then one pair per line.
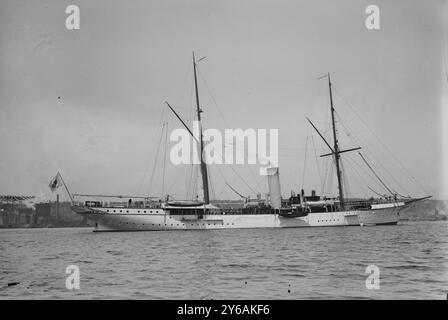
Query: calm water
x,y
312,263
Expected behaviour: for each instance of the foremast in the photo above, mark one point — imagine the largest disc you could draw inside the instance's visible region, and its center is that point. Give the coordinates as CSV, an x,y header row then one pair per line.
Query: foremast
x,y
201,141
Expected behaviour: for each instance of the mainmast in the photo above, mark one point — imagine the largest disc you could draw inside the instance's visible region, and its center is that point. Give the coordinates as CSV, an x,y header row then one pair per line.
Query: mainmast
x,y
336,151
201,142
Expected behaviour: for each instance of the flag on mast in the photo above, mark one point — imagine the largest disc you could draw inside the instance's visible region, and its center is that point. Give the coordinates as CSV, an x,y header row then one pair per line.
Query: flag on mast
x,y
55,183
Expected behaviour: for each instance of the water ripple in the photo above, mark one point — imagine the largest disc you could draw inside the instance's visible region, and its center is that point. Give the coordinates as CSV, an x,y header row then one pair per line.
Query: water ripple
x,y
314,263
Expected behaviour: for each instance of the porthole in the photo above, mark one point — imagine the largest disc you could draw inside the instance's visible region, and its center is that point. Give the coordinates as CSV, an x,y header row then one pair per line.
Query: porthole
x,y
114,210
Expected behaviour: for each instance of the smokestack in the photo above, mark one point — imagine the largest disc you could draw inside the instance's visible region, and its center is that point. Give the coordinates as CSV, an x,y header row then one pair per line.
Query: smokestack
x,y
274,187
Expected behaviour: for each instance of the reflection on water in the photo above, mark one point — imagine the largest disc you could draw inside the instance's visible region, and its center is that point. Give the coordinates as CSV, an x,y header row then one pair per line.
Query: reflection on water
x,y
308,263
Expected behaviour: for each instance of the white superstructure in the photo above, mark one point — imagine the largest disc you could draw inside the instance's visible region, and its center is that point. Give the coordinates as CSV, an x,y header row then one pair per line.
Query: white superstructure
x,y
140,219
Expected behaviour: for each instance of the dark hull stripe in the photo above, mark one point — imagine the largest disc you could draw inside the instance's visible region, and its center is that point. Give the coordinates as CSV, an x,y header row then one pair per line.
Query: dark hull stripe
x,y
387,223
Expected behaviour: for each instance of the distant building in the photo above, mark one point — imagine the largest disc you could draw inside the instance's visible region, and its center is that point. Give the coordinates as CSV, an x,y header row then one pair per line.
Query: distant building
x,y
15,213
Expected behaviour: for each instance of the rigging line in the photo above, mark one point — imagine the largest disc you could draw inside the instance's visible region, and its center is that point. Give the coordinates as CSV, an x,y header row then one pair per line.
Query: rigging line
x,y
345,183
175,181
375,173
445,52
234,190
213,98
220,172
326,169
379,140
318,132
354,140
188,79
363,182
317,163
157,153
222,116
399,194
194,179
367,148
220,194
255,178
190,179
361,142
247,185
225,121
212,189
380,195
192,108
241,178
327,165
360,184
227,183
164,161
304,162
330,181
364,170
187,180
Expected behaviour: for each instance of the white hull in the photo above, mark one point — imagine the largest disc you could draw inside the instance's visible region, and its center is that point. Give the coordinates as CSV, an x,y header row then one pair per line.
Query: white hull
x,y
130,219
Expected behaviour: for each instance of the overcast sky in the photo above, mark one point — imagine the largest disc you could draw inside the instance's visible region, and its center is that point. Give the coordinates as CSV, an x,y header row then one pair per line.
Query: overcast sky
x,y
89,102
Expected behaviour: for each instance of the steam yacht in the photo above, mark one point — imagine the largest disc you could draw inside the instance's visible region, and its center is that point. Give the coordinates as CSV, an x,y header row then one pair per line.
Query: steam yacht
x,y
147,213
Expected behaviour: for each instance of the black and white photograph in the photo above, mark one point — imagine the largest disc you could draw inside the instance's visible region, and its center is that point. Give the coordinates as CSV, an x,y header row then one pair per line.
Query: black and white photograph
x,y
223,150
